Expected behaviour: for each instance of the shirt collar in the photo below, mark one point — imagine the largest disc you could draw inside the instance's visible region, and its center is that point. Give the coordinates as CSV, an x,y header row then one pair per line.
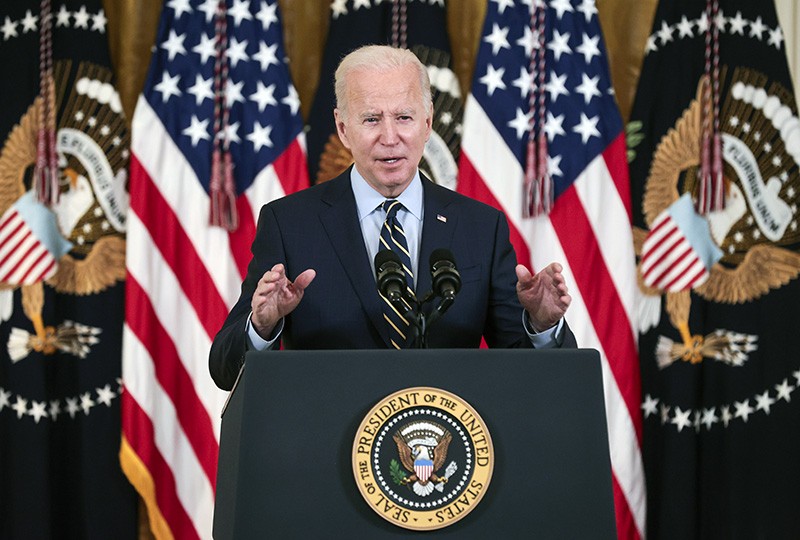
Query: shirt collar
x,y
367,199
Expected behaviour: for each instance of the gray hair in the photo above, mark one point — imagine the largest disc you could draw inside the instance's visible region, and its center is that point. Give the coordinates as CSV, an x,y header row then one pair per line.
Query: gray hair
x,y
379,58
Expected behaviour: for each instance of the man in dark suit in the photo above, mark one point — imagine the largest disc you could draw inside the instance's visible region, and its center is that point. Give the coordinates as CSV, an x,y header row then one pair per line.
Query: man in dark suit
x,y
327,236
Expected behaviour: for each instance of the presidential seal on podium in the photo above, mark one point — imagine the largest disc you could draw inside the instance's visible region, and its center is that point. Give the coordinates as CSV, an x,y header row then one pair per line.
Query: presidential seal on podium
x,y
422,458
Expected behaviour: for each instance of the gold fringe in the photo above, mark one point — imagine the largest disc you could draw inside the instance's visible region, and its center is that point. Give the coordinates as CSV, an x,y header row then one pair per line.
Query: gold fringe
x,y
139,476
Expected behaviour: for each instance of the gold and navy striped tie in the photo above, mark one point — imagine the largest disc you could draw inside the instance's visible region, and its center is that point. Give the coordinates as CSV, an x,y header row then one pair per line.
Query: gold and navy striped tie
x,y
393,237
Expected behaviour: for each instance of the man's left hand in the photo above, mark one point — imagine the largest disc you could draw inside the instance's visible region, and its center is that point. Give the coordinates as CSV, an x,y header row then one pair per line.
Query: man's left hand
x,y
543,295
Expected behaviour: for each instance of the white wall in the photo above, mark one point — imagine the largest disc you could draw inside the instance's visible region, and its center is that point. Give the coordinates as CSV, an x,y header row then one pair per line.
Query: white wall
x,y
789,17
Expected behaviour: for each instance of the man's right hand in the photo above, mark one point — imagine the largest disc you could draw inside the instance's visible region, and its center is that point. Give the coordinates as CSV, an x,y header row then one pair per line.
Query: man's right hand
x,y
276,296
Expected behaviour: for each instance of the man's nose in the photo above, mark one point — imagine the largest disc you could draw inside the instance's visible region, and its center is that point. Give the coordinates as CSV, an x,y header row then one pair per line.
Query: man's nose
x,y
389,133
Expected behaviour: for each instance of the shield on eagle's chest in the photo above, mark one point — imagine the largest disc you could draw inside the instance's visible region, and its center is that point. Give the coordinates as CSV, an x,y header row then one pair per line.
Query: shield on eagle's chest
x,y
423,467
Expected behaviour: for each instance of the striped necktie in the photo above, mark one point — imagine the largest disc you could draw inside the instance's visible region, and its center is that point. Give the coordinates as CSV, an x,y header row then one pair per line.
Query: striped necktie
x,y
393,237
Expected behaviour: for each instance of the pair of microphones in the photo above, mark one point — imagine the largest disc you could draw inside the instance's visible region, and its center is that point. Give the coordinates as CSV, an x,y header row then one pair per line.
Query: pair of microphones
x,y
445,284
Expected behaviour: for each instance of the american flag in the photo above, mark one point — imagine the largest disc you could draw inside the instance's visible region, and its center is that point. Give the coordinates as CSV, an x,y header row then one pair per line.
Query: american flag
x,y
30,243
588,230
183,274
679,250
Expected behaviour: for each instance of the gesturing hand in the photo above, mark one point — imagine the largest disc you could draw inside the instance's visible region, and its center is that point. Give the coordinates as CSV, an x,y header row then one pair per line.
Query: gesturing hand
x,y
276,296
543,295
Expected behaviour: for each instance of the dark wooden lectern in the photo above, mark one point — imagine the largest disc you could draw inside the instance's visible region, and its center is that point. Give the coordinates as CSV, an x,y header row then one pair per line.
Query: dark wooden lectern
x,y
288,430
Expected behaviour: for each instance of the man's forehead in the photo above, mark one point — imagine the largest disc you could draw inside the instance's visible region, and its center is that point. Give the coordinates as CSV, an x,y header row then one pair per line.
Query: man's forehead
x,y
379,92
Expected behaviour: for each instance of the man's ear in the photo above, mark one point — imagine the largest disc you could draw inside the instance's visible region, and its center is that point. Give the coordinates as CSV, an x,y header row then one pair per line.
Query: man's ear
x,y
429,122
341,128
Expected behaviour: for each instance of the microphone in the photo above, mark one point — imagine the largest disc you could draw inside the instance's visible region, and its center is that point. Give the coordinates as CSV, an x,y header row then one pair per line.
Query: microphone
x,y
390,275
445,277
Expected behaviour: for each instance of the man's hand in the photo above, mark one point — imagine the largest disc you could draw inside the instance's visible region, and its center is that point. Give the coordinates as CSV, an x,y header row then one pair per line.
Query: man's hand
x,y
543,295
275,297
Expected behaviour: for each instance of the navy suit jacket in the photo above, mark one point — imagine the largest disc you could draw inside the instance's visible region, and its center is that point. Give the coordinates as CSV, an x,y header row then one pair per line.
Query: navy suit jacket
x,y
318,228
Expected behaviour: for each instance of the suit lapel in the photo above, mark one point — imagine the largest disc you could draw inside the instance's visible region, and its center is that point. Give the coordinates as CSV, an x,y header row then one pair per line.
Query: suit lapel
x,y
341,225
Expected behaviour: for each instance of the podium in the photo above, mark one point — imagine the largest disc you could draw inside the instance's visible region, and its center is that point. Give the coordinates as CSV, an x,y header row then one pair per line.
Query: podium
x,y
285,468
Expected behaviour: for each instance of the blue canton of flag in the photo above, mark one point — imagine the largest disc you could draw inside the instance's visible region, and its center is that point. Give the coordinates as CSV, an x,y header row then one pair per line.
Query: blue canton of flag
x,y
581,110
263,103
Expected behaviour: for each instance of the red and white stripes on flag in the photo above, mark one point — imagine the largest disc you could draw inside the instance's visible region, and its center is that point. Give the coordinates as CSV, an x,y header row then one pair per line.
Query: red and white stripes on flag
x,y
588,229
183,273
678,251
423,469
30,242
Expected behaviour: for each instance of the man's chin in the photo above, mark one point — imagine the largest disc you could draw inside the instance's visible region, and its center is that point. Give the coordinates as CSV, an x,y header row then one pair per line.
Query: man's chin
x,y
395,184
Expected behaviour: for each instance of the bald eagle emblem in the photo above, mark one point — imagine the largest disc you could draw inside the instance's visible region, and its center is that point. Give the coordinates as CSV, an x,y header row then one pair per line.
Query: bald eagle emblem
x,y
422,447
79,242
749,245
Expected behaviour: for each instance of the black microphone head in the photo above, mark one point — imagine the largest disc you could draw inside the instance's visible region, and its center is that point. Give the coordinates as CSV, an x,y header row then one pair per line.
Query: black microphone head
x,y
445,277
442,255
384,256
389,275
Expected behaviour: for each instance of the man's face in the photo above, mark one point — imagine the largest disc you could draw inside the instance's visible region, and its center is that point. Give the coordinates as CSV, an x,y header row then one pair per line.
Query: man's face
x,y
386,126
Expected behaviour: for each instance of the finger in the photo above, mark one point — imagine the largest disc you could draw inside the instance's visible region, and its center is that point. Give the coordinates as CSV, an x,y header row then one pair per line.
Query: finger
x,y
270,276
265,289
564,299
555,275
523,274
304,279
268,284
